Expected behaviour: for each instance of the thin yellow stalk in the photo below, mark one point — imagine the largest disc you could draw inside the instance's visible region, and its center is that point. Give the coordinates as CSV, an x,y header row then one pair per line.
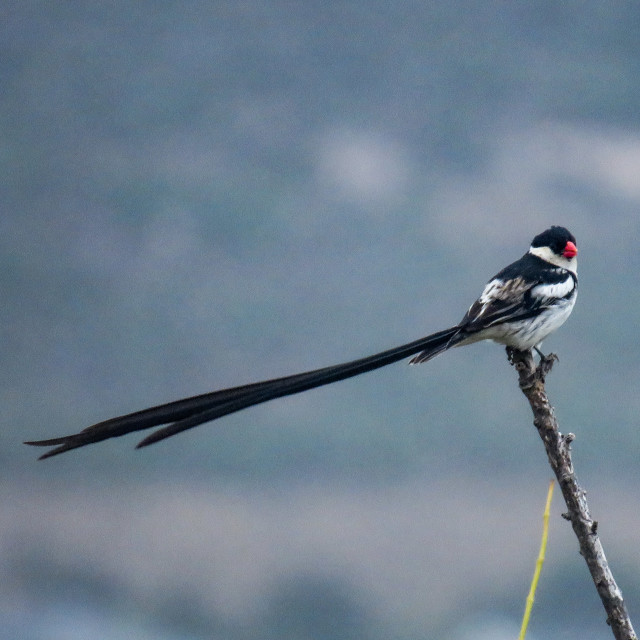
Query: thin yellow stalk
x,y
539,563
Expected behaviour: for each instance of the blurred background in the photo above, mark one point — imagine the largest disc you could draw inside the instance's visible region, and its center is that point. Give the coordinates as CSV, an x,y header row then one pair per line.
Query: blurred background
x,y
206,194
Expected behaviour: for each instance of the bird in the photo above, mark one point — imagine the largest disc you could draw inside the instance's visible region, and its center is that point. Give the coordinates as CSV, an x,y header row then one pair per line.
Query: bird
x,y
519,307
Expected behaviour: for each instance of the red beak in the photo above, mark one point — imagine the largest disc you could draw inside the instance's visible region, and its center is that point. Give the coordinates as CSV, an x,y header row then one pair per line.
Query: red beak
x,y
570,250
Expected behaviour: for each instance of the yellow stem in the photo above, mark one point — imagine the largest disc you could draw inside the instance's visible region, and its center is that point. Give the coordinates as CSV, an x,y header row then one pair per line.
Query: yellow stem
x,y
539,563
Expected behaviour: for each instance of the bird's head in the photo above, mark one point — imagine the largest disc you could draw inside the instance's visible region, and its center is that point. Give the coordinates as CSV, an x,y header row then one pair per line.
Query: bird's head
x,y
557,246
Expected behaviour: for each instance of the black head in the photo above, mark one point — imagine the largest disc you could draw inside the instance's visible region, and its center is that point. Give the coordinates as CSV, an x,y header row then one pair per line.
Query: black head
x,y
559,240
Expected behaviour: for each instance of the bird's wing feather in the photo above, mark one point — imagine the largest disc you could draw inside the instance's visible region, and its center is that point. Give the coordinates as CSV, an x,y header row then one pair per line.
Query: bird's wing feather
x,y
519,298
499,302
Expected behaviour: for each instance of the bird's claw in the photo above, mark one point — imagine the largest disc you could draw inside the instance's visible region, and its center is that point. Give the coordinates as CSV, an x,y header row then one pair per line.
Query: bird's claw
x,y
526,364
512,358
545,365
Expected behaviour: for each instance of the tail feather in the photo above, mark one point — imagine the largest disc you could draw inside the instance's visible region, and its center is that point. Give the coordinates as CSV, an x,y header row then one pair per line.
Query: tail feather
x,y
438,346
191,412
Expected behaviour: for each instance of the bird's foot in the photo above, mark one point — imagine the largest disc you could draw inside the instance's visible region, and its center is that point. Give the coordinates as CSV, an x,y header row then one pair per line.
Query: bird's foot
x,y
514,356
545,365
525,365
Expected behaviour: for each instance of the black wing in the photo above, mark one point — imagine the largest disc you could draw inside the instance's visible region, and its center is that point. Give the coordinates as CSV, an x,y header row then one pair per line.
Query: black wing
x,y
518,292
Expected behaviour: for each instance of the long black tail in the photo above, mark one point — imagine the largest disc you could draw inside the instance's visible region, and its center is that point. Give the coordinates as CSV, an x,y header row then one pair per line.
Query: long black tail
x,y
190,412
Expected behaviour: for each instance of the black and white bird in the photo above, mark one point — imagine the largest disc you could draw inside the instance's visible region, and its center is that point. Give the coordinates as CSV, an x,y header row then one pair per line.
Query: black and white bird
x,y
519,307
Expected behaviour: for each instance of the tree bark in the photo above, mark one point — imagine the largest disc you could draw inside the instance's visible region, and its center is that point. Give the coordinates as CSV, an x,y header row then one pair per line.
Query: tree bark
x,y
558,447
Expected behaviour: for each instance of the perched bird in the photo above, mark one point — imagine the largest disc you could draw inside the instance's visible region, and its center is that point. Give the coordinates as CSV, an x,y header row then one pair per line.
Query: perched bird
x,y
519,307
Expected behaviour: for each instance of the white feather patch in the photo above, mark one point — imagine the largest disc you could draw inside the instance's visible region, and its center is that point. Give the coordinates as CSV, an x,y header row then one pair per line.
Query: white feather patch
x,y
557,290
489,292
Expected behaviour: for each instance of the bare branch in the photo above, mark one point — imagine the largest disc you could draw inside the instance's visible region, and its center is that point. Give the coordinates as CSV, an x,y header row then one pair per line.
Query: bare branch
x,y
558,449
